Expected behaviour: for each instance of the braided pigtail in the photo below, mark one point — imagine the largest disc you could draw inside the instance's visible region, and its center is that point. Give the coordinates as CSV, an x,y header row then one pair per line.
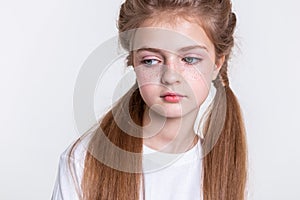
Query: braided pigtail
x,y
224,164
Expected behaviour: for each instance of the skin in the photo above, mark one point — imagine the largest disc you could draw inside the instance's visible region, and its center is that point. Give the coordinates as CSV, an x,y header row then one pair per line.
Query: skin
x,y
179,59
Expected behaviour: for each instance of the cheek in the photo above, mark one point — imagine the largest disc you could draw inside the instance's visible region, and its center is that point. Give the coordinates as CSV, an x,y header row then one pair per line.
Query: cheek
x,y
147,92
201,93
198,72
199,89
148,75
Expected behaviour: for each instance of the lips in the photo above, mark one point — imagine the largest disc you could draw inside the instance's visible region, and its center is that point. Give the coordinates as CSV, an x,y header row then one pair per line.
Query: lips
x,y
172,97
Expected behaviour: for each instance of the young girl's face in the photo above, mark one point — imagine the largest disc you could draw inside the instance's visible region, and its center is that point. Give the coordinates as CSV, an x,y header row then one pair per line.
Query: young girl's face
x,y
174,65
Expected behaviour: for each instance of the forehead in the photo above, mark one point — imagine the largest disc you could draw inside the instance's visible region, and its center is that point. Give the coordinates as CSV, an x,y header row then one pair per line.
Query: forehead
x,y
171,37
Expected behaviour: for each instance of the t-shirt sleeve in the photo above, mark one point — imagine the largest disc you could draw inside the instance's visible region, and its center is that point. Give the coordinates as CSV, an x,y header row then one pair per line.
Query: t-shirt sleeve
x,y
70,170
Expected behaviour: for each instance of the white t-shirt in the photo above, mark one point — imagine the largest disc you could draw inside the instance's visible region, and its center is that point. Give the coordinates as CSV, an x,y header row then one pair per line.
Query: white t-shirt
x,y
166,176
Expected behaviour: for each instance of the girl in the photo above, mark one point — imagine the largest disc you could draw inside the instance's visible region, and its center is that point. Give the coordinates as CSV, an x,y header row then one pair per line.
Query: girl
x,y
145,147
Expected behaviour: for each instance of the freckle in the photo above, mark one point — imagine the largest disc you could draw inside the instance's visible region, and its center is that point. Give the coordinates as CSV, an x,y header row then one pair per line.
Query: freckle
x,y
192,74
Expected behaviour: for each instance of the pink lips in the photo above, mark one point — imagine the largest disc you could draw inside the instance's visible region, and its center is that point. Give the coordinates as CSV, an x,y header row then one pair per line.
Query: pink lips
x,y
172,97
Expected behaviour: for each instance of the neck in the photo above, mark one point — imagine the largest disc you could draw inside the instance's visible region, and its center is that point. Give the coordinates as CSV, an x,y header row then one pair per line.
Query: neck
x,y
172,135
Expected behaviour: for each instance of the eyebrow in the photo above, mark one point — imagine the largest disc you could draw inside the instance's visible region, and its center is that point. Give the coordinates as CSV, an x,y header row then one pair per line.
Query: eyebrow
x,y
193,47
156,50
148,49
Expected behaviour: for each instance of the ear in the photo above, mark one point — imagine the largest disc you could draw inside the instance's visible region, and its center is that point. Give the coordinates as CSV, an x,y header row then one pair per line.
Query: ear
x,y
218,66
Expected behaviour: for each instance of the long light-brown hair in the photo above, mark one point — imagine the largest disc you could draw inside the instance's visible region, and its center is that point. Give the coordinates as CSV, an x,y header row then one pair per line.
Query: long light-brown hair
x,y
224,166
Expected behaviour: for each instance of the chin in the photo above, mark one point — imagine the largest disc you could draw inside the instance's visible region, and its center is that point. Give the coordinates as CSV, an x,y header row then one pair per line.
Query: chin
x,y
173,114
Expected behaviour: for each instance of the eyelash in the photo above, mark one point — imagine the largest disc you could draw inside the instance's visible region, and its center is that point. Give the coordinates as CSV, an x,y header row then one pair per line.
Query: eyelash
x,y
196,60
146,60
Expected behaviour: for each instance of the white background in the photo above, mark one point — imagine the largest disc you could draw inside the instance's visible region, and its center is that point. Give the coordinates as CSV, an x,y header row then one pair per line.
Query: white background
x,y
44,43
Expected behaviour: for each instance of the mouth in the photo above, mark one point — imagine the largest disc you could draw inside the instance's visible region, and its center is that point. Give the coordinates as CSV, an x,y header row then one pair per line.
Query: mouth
x,y
172,97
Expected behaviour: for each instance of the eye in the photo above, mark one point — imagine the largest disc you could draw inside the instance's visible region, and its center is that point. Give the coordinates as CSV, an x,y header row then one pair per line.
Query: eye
x,y
150,62
191,60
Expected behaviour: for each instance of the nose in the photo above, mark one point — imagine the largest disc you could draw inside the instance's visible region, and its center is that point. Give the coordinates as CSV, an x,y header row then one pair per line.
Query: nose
x,y
170,74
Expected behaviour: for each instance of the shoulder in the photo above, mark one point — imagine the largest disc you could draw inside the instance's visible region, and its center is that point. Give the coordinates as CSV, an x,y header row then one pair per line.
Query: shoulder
x,y
74,155
70,171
